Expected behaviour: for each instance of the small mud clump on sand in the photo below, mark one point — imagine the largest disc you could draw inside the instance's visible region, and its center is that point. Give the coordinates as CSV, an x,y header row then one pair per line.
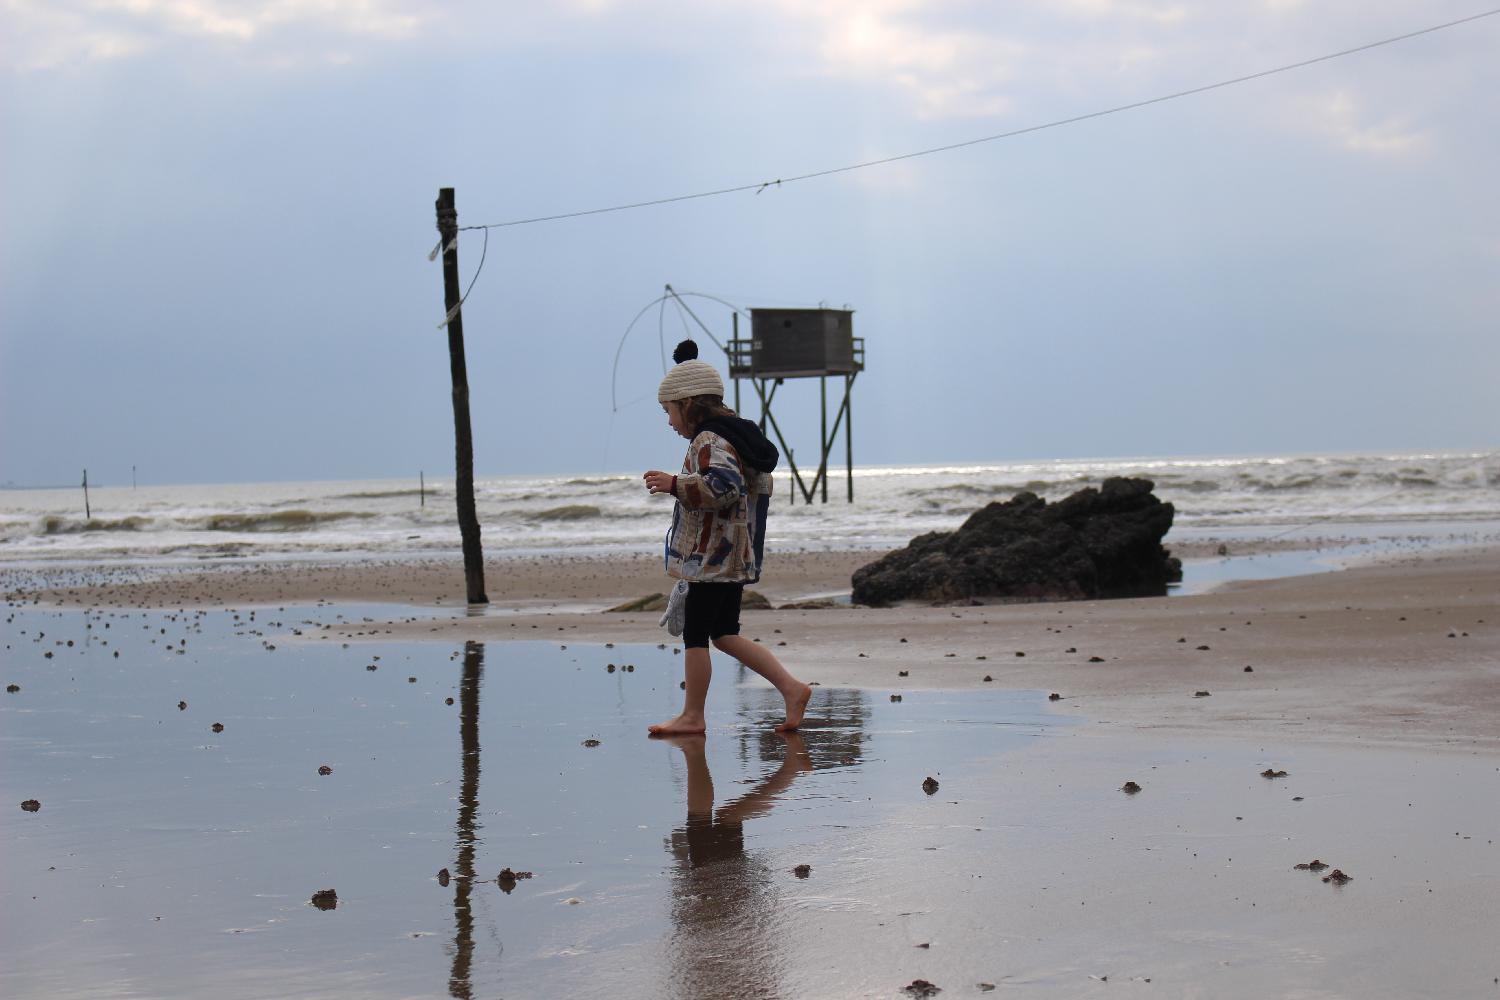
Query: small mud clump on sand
x,y
802,871
1201,694
930,785
1269,773
325,899
325,770
609,668
411,680
1054,696
1096,659
903,673
1312,866
444,877
1249,669
895,697
31,805
217,727
591,743
921,988
182,706
1130,788
447,701
1337,877
12,688
988,679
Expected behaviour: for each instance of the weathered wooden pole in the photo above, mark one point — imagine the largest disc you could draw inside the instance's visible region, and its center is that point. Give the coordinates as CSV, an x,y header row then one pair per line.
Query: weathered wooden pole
x,y
463,439
823,442
87,514
849,433
735,339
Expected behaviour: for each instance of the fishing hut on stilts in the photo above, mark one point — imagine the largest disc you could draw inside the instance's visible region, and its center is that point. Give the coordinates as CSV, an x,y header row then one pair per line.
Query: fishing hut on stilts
x,y
797,344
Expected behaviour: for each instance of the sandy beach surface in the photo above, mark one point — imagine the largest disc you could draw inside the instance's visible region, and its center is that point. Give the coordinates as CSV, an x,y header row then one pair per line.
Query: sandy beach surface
x,y
1026,870
1402,650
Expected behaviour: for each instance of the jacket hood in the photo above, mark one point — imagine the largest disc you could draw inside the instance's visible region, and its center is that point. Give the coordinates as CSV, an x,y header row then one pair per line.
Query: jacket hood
x,y
746,440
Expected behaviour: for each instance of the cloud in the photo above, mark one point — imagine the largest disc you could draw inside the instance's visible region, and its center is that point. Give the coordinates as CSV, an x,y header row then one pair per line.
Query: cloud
x,y
51,34
1339,117
944,70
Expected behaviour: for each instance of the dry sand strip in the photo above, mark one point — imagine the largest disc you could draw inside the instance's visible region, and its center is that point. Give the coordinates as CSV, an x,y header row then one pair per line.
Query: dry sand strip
x,y
1407,652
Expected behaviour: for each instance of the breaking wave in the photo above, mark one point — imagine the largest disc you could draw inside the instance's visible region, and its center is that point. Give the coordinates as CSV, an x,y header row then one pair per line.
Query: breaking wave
x,y
59,525
571,512
281,520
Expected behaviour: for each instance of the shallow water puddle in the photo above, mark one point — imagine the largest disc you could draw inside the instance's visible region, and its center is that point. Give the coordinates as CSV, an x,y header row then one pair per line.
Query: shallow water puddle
x,y
170,860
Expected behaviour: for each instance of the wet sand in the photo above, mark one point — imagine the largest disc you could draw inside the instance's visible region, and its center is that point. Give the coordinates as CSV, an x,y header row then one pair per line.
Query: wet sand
x,y
1404,651
1377,690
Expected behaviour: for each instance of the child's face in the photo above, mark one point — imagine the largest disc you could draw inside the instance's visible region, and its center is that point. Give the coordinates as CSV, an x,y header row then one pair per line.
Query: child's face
x,y
675,418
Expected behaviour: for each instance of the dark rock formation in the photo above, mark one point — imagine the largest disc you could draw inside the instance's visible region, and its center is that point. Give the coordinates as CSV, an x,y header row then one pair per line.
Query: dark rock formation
x,y
1095,543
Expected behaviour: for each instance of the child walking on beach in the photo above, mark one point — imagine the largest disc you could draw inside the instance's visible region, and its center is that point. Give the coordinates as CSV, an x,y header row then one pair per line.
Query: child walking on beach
x,y
717,541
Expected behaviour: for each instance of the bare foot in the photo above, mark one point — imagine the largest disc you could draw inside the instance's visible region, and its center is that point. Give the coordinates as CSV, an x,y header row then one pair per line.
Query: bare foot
x,y
683,725
796,707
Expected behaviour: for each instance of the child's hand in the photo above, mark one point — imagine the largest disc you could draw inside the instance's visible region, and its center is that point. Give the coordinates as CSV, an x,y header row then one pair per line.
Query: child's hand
x,y
659,482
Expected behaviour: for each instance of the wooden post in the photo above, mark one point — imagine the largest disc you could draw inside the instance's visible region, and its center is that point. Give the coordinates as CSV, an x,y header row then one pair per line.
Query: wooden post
x,y
823,434
463,440
849,433
87,514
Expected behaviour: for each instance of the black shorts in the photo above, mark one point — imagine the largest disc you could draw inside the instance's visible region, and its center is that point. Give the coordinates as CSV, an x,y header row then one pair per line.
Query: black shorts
x,y
713,610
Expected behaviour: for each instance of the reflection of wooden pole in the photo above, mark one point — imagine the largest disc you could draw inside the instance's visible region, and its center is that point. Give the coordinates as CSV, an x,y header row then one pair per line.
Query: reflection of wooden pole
x,y
422,487
463,439
459,983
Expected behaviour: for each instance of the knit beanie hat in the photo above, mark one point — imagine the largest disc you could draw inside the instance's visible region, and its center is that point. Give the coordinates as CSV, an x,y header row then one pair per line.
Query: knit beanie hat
x,y
690,377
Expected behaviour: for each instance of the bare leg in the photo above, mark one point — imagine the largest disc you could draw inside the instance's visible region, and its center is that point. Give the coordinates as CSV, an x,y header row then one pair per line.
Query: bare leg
x,y
697,672
764,662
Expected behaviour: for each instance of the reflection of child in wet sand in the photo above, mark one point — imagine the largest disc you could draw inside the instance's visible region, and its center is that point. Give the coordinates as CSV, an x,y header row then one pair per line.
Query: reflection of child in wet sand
x,y
717,540
716,834
727,936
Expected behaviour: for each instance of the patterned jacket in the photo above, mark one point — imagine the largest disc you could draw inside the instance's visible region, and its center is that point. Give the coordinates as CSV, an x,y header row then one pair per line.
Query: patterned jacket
x,y
719,523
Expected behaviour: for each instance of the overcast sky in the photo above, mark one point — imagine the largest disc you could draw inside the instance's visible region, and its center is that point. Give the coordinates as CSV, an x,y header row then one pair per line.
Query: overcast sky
x,y
216,216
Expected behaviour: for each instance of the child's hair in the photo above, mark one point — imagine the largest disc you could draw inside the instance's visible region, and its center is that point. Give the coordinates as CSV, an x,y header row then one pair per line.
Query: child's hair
x,y
696,409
